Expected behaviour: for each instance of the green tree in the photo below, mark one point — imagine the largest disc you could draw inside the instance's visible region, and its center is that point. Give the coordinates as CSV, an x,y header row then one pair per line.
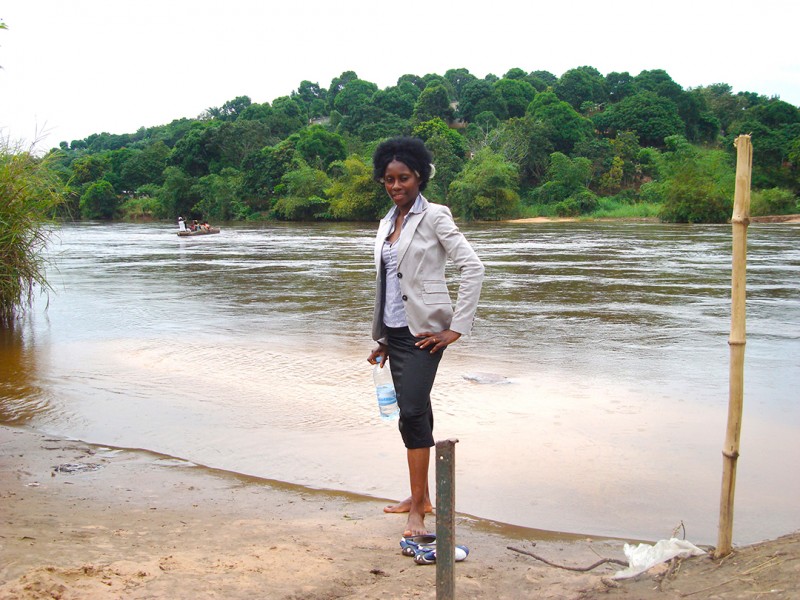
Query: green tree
x,y
525,142
487,188
567,185
99,201
89,168
515,73
620,86
414,80
178,194
263,171
458,78
425,131
116,160
581,85
626,149
433,103
565,126
700,124
320,147
354,95
258,112
304,197
31,192
480,131
775,129
697,184
146,166
190,153
287,117
130,168
650,116
449,151
371,123
398,100
353,194
219,196
231,110
660,83
313,98
517,94
611,180
545,77
337,85
600,153
478,96
723,104
227,145
432,79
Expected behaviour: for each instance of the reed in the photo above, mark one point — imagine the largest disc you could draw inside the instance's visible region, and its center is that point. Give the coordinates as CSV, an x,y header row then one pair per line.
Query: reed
x,y
30,192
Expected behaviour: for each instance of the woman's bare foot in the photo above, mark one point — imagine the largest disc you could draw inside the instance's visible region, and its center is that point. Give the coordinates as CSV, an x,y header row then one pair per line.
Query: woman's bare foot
x,y
415,525
405,506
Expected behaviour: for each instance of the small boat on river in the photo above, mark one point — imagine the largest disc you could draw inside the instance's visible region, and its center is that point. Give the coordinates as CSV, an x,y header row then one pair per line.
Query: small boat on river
x,y
189,233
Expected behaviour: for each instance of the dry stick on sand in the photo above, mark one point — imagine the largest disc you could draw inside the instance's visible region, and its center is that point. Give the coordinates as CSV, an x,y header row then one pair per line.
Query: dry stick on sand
x,y
674,566
579,569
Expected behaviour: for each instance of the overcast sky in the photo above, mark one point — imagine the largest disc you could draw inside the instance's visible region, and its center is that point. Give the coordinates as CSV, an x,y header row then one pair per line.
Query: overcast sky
x,y
71,68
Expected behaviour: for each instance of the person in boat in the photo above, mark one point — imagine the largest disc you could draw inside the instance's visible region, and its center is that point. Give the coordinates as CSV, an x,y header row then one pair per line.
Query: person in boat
x,y
181,224
414,319
195,225
205,226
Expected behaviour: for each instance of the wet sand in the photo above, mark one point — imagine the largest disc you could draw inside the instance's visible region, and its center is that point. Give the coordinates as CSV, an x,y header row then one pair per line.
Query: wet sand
x,y
146,526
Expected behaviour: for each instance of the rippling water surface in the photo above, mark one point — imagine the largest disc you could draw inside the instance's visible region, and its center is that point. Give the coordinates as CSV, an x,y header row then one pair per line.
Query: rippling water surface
x,y
246,351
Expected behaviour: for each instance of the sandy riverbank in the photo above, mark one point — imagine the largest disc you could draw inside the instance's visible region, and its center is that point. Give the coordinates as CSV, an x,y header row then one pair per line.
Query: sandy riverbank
x,y
144,526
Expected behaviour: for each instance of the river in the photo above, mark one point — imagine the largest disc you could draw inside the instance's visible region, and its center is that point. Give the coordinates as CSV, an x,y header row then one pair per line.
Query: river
x,y
246,351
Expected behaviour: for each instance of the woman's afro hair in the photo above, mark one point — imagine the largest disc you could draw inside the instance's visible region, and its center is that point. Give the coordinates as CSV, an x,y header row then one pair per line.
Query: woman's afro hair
x,y
408,150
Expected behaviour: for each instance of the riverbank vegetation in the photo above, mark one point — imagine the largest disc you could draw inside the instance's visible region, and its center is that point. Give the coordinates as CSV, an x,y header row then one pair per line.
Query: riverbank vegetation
x,y
523,144
30,194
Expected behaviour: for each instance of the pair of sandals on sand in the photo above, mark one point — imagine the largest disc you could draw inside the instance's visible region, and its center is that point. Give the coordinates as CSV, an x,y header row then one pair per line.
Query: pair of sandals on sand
x,y
423,549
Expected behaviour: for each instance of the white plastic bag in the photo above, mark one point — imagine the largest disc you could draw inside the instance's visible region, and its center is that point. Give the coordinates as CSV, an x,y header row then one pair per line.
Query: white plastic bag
x,y
644,556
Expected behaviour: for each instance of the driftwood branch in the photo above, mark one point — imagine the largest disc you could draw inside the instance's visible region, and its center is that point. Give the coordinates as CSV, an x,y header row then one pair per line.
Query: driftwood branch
x,y
579,569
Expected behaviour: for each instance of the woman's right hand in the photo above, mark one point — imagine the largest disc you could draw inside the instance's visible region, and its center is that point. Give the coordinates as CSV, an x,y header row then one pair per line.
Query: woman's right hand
x,y
380,350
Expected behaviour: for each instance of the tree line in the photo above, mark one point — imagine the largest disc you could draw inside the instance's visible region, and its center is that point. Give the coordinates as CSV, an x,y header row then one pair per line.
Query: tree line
x,y
524,144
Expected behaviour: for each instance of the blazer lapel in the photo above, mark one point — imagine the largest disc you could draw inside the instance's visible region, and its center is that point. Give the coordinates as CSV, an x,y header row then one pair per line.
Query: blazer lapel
x,y
383,231
409,228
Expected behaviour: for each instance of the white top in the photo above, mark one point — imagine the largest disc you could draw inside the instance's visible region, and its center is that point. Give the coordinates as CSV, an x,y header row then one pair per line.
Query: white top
x,y
394,313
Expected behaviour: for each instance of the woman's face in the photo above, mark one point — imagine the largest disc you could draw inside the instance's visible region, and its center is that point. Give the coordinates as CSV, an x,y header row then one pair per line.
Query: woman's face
x,y
401,183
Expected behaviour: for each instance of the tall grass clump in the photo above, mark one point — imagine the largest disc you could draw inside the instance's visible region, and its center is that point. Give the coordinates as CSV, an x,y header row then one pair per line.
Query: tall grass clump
x,y
612,208
30,193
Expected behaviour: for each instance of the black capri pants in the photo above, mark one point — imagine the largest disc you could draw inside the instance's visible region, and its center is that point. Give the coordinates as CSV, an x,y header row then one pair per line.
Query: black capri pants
x,y
413,372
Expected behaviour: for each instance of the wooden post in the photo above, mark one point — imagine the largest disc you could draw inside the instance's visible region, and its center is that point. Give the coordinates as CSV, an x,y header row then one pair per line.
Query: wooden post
x,y
445,519
730,451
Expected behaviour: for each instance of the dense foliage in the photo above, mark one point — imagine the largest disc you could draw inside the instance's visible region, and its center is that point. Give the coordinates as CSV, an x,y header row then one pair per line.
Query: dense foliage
x,y
30,193
524,144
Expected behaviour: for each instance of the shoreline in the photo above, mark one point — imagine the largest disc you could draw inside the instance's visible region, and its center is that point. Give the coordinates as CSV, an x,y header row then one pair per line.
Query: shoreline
x,y
142,525
792,219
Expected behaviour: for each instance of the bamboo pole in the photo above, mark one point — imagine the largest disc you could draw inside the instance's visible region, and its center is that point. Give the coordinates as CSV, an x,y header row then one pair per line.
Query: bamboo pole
x,y
730,451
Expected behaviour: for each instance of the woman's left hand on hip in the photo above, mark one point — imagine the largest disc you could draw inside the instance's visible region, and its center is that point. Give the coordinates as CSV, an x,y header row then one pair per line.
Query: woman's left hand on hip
x,y
436,341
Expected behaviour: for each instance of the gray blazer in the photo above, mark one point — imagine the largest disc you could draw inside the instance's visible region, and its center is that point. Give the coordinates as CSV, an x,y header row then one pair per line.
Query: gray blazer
x,y
427,240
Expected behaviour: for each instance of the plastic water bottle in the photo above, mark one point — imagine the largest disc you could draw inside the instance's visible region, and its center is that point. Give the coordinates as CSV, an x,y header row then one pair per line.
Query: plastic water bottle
x,y
384,388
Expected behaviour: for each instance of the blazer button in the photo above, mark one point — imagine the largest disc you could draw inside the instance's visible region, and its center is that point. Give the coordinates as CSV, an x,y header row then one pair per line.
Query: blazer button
x,y
400,275
405,297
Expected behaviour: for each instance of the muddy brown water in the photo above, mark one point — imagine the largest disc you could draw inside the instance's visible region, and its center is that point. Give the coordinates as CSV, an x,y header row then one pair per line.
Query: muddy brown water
x,y
590,398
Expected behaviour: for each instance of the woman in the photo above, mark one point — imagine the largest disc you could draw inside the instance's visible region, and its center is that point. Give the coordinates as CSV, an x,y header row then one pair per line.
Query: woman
x,y
414,319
